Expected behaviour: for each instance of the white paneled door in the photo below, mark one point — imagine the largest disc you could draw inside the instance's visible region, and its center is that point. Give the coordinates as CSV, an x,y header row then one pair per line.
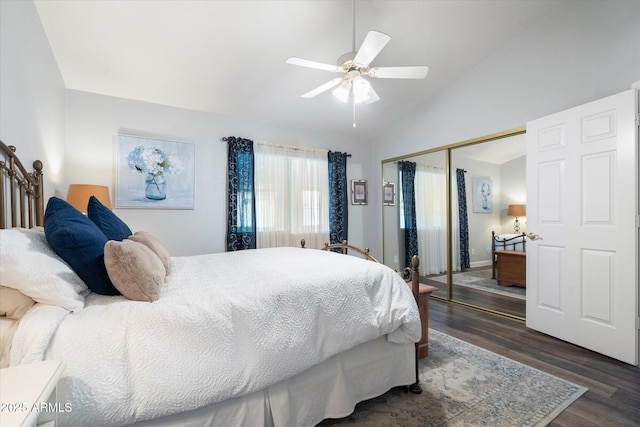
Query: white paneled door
x,y
582,194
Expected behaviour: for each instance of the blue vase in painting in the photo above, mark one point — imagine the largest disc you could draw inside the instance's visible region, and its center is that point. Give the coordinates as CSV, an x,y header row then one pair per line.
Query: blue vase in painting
x,y
155,187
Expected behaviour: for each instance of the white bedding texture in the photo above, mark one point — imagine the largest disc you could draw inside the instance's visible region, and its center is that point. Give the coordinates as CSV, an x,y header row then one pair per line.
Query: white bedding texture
x,y
224,325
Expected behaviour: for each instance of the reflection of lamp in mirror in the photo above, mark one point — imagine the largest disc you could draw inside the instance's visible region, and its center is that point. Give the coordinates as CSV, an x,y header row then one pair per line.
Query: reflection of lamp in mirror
x,y
516,210
78,195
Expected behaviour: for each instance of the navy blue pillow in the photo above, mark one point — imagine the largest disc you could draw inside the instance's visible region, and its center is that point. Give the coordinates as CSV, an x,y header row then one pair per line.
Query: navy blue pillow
x,y
79,242
112,226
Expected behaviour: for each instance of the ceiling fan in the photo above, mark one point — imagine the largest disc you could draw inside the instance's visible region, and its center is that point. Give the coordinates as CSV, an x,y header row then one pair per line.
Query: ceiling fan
x,y
355,66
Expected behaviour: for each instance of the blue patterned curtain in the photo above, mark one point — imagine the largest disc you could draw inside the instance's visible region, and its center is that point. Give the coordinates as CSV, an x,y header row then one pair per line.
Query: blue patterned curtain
x,y
241,216
338,201
465,262
408,174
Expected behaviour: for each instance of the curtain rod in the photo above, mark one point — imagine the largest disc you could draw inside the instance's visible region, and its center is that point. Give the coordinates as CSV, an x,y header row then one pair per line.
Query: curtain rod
x,y
348,154
422,164
288,147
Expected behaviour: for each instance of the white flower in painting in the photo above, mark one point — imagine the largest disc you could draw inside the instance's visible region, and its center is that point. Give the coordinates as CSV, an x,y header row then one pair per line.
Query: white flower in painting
x,y
485,190
146,159
175,164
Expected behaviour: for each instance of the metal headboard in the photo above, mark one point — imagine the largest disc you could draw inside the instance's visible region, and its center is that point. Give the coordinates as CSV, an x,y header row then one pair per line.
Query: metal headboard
x,y
21,192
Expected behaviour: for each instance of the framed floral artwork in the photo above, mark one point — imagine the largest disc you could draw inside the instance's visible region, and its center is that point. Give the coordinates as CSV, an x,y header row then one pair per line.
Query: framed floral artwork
x,y
154,173
358,192
482,194
389,193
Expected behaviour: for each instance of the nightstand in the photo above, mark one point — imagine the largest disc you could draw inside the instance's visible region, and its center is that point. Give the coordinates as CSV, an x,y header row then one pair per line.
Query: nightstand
x,y
512,268
27,394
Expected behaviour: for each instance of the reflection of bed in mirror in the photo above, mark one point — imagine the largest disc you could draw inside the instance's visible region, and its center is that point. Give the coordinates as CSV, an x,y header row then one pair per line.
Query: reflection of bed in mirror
x,y
509,259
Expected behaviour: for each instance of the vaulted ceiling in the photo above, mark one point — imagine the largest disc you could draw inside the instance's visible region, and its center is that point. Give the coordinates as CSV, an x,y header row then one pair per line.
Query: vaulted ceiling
x,y
228,57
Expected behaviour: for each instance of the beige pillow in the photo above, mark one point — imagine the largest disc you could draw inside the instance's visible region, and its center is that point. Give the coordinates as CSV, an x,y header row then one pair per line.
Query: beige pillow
x,y
13,303
134,269
154,244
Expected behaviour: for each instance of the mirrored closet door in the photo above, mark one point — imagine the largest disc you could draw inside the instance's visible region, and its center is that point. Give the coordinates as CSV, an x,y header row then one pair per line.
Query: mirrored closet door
x,y
461,194
416,221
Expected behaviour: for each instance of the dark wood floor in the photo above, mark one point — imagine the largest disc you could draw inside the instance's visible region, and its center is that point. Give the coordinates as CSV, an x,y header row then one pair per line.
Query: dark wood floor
x,y
504,304
613,398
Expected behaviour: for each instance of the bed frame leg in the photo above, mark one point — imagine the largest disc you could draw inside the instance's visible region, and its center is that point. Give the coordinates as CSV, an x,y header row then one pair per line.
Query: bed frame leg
x,y
415,289
416,388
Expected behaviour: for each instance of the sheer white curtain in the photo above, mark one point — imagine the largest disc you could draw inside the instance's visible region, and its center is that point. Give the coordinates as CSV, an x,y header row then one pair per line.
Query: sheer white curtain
x,y
292,196
431,219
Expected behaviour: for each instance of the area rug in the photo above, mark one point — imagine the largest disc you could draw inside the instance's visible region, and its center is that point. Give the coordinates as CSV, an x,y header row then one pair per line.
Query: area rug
x,y
481,279
465,385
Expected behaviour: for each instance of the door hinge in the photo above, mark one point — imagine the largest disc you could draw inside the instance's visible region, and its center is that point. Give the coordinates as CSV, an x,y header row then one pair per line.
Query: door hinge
x,y
637,221
638,323
638,119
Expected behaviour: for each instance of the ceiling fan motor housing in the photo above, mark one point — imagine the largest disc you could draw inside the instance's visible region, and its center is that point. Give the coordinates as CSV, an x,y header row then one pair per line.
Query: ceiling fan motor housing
x,y
348,65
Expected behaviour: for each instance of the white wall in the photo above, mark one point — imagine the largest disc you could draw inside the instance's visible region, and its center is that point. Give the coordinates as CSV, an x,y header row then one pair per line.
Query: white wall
x,y
514,191
480,223
93,121
582,52
31,92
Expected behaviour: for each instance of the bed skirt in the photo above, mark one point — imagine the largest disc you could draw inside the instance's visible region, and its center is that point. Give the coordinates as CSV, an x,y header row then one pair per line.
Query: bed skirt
x,y
329,390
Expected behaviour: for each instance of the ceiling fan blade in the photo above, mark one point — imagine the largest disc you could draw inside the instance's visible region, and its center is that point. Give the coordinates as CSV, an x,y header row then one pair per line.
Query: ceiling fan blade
x,y
417,72
313,64
373,96
325,87
371,47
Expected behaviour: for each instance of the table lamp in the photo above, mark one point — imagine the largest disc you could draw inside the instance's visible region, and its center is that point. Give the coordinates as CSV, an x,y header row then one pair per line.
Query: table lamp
x,y
516,210
78,195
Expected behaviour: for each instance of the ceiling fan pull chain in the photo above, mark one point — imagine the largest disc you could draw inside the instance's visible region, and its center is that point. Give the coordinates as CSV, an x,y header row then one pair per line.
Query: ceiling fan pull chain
x,y
354,115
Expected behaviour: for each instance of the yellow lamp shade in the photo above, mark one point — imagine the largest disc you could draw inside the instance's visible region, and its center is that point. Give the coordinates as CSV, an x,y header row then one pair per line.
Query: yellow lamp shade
x,y
516,210
78,195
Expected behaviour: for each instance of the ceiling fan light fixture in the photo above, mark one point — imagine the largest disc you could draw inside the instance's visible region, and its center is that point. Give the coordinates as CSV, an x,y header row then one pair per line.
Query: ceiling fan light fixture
x,y
361,88
342,91
373,97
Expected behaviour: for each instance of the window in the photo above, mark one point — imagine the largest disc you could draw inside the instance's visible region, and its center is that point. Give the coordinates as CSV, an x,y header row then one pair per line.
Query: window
x,y
292,196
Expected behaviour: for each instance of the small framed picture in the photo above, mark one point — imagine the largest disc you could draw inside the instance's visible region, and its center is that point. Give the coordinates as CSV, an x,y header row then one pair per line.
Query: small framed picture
x,y
482,194
389,193
358,192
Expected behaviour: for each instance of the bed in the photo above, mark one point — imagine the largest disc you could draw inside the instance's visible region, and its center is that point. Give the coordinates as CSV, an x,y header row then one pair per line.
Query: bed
x,y
508,258
280,336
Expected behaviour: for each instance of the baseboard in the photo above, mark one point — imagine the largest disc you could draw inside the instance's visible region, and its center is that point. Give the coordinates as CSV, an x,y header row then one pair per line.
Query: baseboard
x,y
486,263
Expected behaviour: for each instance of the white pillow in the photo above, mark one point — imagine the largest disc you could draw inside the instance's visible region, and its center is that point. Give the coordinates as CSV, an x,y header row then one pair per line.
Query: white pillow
x,y
28,264
504,237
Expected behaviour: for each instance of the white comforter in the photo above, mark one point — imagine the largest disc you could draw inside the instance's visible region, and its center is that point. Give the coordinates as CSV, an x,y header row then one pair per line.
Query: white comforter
x,y
225,325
